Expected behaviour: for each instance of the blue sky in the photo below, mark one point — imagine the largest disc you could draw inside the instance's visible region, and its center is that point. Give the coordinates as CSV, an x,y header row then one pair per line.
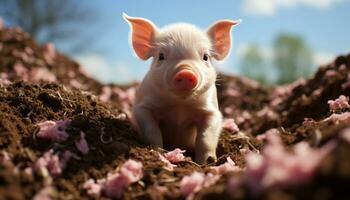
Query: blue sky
x,y
324,24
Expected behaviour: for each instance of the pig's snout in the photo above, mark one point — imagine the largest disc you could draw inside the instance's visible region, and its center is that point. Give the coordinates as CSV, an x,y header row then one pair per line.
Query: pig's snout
x,y
185,80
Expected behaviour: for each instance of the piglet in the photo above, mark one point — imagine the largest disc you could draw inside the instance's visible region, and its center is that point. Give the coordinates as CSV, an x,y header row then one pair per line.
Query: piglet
x,y
176,104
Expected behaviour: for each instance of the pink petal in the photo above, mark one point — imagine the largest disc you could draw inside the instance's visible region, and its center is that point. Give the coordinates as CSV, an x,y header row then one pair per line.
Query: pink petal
x,y
167,163
21,71
76,84
228,110
175,156
230,125
55,131
233,184
343,117
44,194
42,74
115,184
82,144
338,104
331,73
160,189
345,135
4,78
92,187
5,157
193,183
49,53
132,170
106,93
210,179
228,166
50,163
278,167
232,92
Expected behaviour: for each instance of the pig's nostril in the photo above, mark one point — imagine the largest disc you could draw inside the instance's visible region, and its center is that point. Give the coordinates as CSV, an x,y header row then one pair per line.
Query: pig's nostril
x,y
185,80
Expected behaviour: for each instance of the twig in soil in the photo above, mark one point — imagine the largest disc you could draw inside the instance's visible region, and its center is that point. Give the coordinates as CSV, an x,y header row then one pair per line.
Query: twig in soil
x,y
141,183
102,139
29,113
101,152
29,154
168,180
59,95
240,135
191,162
139,194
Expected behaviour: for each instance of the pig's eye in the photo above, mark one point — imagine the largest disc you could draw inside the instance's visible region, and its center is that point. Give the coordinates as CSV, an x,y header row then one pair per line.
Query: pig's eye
x,y
161,57
205,57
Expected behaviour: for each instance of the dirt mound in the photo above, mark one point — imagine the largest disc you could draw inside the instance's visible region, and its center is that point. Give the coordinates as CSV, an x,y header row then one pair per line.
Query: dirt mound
x,y
38,85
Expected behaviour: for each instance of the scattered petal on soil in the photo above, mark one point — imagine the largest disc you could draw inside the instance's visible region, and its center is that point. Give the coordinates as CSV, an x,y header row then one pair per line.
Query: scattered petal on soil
x,y
55,131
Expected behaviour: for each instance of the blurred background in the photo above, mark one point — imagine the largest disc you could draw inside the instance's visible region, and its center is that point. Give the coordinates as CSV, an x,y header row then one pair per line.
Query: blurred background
x,y
278,41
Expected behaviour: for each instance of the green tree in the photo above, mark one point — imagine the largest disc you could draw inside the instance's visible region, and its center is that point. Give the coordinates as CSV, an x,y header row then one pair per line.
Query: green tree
x,y
253,64
52,20
293,58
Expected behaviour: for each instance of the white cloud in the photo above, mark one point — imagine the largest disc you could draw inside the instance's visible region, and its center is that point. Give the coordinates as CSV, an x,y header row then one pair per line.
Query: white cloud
x,y
100,69
270,7
322,58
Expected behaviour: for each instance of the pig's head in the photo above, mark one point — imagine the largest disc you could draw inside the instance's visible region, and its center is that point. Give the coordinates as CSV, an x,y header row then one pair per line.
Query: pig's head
x,y
182,54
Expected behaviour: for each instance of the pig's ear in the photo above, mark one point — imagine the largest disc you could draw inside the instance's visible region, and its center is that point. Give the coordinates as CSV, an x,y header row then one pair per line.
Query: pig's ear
x,y
220,35
142,35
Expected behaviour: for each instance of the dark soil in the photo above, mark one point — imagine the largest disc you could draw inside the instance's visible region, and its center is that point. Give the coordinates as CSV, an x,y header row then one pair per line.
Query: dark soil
x,y
297,111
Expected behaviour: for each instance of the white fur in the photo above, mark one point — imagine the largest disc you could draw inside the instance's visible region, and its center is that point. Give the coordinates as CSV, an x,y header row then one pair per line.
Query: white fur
x,y
168,118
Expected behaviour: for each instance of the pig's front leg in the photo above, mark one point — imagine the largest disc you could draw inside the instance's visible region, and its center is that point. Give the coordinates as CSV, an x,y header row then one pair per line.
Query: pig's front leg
x,y
208,133
148,126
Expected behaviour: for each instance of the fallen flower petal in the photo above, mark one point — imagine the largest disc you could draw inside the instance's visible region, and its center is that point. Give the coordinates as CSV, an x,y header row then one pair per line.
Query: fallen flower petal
x,y
168,165
50,163
92,187
49,53
230,125
4,78
55,131
132,170
106,93
278,167
82,144
339,104
343,117
345,135
21,71
233,184
193,183
44,194
42,74
114,184
175,156
228,166
5,157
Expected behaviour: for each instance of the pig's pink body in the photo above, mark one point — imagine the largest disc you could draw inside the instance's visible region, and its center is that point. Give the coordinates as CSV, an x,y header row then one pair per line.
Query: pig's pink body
x,y
176,105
